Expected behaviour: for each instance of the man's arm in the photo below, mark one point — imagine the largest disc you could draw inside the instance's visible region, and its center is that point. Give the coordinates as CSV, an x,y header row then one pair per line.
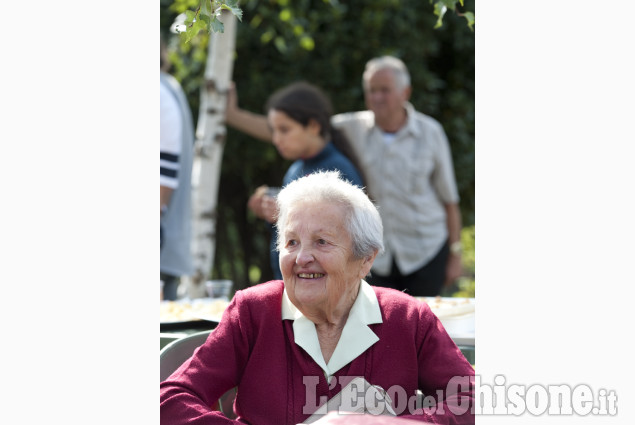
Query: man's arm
x,y
166,194
453,220
249,123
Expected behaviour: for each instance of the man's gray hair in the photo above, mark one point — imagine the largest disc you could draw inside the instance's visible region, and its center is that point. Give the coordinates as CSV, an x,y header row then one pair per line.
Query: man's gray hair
x,y
398,68
327,187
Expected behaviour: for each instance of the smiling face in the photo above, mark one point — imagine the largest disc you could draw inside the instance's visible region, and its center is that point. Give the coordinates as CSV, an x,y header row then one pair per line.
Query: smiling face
x,y
291,138
320,274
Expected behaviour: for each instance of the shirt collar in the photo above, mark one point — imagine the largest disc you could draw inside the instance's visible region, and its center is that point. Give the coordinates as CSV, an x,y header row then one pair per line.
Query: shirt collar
x,y
356,336
411,124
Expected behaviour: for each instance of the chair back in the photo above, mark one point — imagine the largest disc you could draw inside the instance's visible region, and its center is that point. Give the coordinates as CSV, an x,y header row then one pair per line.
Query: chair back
x,y
177,352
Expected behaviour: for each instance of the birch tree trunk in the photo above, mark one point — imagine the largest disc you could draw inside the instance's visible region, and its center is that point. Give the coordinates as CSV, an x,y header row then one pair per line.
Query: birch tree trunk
x,y
208,153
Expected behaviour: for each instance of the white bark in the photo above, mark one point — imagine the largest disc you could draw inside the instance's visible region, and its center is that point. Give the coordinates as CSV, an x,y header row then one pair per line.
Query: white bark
x,y
208,153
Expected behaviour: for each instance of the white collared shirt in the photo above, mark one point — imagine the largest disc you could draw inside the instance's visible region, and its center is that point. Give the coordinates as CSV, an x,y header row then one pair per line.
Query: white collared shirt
x,y
411,179
356,336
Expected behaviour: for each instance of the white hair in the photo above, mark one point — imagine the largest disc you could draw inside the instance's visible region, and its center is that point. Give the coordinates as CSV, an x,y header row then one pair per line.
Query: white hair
x,y
362,218
398,68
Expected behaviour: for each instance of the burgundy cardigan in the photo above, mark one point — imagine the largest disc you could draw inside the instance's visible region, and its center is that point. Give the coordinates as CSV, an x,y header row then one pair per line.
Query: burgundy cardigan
x,y
253,349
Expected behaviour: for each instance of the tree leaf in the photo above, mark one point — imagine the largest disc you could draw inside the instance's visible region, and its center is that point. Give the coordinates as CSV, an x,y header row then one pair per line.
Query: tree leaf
x,y
206,18
188,34
190,17
469,17
190,14
206,7
232,6
285,15
280,44
441,7
193,30
307,43
216,26
439,10
450,4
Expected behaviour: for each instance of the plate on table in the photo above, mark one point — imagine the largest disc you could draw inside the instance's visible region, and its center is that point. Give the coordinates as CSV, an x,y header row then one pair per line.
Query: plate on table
x,y
191,313
449,306
212,310
456,314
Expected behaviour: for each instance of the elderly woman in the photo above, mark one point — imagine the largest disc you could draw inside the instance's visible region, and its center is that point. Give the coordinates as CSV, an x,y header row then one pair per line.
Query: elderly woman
x,y
289,346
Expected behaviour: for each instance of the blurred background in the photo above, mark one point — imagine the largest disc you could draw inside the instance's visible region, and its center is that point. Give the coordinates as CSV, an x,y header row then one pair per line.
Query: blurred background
x,y
327,43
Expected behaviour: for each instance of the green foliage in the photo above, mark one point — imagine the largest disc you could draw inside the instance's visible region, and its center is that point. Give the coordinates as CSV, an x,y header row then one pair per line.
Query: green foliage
x,y
205,18
465,286
468,256
441,6
326,42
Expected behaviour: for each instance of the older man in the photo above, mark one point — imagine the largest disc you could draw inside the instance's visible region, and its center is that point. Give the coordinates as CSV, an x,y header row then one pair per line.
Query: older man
x,y
406,156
